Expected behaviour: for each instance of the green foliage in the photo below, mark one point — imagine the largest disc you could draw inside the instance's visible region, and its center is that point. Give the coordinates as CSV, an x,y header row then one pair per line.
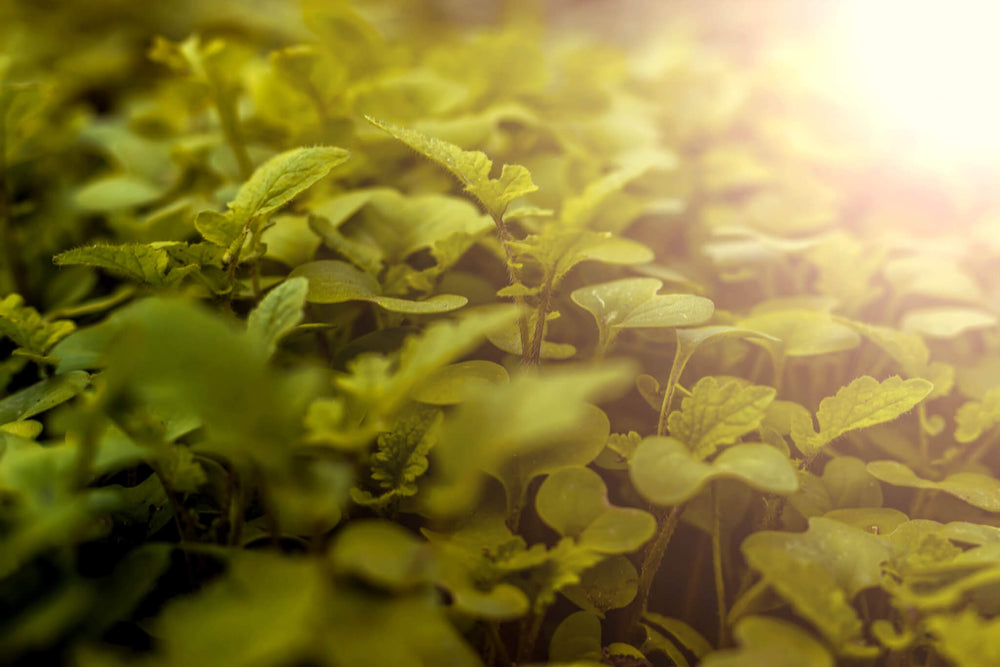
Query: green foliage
x,y
383,333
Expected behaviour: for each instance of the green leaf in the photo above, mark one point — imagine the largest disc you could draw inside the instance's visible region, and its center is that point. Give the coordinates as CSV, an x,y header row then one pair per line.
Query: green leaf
x,y
401,457
471,168
141,263
578,637
527,415
773,642
803,333
558,250
853,557
683,633
611,584
864,402
812,591
973,418
278,312
574,503
578,445
947,322
453,383
333,281
383,554
42,396
23,325
117,192
718,414
665,471
977,489
634,302
966,638
282,178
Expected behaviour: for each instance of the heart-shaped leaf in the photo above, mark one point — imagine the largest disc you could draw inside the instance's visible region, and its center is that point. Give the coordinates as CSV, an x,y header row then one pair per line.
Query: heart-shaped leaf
x,y
665,472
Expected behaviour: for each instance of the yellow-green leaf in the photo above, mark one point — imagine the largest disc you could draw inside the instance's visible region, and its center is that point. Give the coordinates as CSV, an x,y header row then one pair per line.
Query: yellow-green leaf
x,y
718,414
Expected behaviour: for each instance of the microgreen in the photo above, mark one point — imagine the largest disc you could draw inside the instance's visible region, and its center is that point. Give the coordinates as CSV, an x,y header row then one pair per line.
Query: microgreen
x,y
363,333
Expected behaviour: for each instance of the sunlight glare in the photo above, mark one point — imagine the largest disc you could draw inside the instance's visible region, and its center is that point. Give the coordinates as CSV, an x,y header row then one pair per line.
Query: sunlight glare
x,y
931,69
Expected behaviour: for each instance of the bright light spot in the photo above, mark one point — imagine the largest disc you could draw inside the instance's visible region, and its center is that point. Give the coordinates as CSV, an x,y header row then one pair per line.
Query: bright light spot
x,y
931,68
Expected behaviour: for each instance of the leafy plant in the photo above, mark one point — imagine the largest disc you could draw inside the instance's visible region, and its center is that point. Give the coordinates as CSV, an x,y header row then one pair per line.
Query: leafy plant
x,y
368,334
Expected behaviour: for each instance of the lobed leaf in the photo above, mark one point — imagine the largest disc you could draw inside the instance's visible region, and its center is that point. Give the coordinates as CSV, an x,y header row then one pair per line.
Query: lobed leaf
x,y
718,414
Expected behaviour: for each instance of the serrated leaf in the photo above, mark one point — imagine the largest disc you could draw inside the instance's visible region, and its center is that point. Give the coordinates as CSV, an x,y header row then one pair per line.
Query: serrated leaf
x,y
472,168
22,324
665,472
282,178
401,456
977,489
141,263
333,281
864,402
718,414
278,312
975,417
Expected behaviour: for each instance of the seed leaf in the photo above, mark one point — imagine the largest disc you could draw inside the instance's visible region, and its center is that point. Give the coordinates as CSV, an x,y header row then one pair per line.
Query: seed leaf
x,y
979,490
665,471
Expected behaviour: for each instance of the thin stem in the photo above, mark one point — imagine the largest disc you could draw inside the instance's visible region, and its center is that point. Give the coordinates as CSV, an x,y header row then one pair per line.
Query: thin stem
x,y
514,277
651,561
534,356
720,579
493,631
668,392
531,627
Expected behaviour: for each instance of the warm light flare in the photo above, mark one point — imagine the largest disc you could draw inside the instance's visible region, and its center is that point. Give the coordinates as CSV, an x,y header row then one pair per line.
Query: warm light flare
x,y
931,69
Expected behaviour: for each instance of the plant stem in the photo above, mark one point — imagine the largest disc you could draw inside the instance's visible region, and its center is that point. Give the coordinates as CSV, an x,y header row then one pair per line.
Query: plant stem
x,y
514,277
493,631
531,627
534,356
720,578
651,561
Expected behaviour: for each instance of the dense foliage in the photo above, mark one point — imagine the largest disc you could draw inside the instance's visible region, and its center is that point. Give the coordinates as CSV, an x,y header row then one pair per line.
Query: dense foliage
x,y
362,335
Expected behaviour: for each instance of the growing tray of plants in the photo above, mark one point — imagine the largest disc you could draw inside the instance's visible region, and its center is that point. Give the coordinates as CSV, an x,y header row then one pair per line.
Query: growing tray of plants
x,y
408,334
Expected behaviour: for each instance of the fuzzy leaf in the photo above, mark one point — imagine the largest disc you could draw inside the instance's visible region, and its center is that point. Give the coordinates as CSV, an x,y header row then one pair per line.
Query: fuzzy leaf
x,y
665,472
472,168
333,281
979,490
282,178
141,263
278,312
23,325
975,417
718,414
864,402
